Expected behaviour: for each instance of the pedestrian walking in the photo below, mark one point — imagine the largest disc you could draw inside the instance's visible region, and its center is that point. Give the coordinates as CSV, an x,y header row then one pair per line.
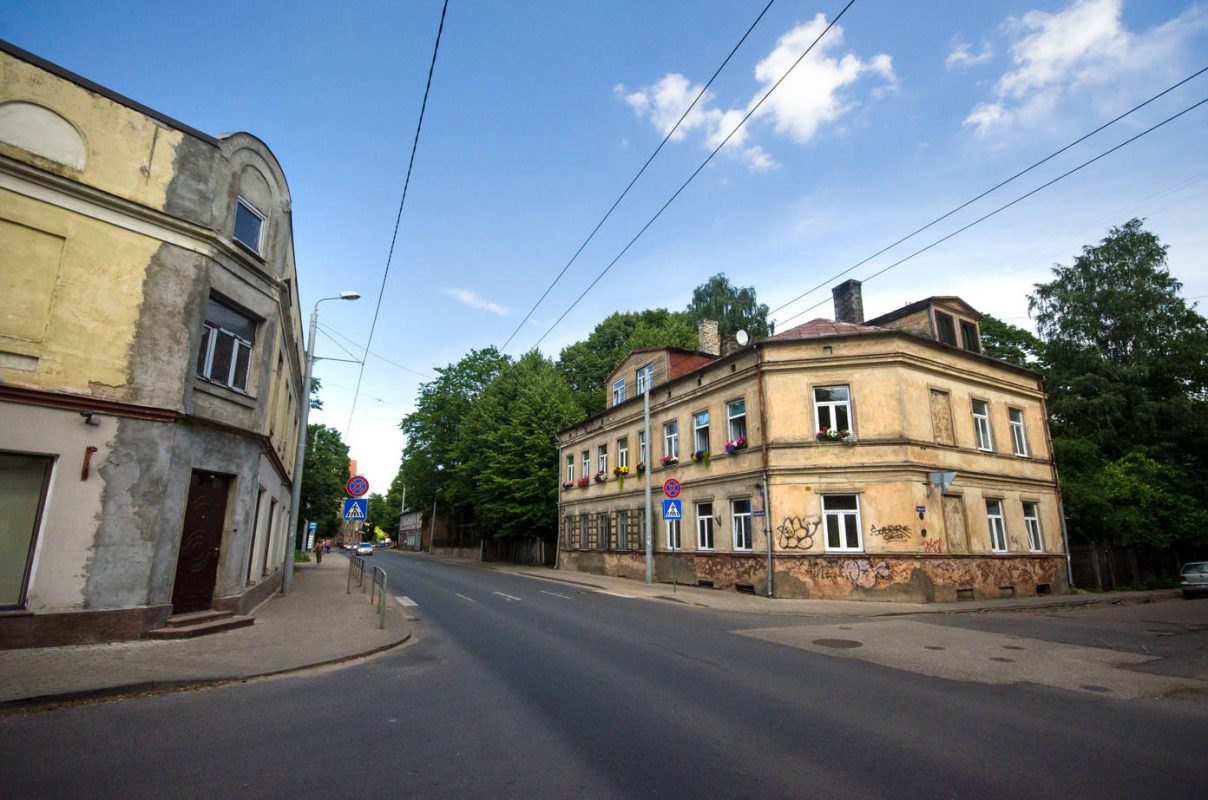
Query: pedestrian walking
x,y
319,553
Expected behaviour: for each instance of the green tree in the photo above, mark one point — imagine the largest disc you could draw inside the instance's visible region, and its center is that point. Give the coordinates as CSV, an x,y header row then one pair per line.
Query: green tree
x,y
733,307
509,443
1009,343
324,475
586,365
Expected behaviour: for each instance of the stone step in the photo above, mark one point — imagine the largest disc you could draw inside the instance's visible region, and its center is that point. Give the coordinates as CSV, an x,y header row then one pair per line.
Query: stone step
x,y
227,622
194,617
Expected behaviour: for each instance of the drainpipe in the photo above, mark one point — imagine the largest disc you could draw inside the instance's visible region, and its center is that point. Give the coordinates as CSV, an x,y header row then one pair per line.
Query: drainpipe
x,y
558,522
763,451
1048,438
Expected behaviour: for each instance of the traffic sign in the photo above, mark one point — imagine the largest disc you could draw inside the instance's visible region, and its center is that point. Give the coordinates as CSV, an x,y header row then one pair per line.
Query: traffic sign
x,y
312,526
355,508
672,509
358,486
671,488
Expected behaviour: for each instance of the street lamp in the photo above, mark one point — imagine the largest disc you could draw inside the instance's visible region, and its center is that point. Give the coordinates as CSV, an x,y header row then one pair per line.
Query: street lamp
x,y
287,579
432,527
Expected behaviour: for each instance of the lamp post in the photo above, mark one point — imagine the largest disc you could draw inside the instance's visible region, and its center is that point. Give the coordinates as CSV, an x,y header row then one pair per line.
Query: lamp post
x,y
432,527
287,579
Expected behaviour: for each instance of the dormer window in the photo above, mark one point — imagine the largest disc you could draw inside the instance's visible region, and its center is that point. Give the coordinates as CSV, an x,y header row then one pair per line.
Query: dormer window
x,y
969,338
618,392
249,226
945,328
645,376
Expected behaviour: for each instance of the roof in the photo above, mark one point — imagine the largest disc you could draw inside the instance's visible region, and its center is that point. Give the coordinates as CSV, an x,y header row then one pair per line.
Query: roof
x,y
819,328
918,305
682,363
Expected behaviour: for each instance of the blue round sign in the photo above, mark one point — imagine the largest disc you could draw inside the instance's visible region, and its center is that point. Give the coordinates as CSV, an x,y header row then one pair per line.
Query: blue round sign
x,y
358,486
671,488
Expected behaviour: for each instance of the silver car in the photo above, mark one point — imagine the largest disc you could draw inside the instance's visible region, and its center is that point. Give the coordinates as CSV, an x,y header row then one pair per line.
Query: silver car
x,y
365,549
1194,578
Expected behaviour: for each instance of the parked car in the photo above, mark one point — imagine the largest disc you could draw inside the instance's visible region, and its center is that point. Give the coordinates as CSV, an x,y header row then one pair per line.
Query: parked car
x,y
1193,578
365,549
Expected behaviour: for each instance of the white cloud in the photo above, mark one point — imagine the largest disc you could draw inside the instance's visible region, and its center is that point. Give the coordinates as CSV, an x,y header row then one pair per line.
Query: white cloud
x,y
810,97
466,297
961,57
1084,46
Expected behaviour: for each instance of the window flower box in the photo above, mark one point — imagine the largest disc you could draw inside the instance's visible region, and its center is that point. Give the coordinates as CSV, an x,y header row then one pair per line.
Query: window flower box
x,y
669,460
738,444
583,482
641,467
701,456
600,477
568,484
836,435
619,473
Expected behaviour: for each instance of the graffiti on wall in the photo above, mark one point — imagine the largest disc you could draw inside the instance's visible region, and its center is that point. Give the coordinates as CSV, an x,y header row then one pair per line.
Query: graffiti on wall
x,y
797,533
933,546
891,533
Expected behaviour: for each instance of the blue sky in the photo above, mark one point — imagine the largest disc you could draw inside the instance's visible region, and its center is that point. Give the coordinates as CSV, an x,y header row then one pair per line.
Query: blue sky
x,y
541,112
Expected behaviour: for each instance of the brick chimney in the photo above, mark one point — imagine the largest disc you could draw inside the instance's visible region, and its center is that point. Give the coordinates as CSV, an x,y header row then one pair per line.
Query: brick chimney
x,y
849,303
708,338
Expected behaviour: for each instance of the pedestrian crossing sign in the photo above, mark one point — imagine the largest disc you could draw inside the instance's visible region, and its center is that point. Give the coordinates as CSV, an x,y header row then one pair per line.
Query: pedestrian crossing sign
x,y
354,508
672,509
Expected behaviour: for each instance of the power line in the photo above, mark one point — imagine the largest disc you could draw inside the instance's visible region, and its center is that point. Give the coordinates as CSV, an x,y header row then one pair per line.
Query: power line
x,y
994,188
657,150
697,171
1021,198
398,218
332,332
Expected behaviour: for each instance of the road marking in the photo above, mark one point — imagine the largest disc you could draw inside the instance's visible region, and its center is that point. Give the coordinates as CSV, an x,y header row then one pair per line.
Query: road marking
x,y
508,596
463,597
616,594
406,602
555,594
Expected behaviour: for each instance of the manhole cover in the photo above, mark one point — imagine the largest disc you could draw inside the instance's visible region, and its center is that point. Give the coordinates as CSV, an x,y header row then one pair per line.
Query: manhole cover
x,y
1096,688
837,643
933,647
1003,660
1011,647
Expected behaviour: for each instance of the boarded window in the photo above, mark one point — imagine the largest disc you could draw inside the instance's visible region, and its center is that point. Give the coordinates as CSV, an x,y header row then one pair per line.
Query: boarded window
x,y
941,417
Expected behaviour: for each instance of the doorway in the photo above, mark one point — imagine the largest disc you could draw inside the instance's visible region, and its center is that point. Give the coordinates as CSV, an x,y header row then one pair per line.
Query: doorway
x,y
200,542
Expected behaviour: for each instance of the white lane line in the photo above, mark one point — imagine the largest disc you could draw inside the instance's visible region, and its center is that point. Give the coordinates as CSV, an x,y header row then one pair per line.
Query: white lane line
x,y
463,597
555,594
406,602
616,594
508,596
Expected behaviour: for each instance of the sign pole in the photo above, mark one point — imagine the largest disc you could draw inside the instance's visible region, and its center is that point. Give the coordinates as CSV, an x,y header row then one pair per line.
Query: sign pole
x,y
649,502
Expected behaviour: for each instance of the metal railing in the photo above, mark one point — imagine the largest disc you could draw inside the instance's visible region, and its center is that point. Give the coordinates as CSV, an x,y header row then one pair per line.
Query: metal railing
x,y
377,585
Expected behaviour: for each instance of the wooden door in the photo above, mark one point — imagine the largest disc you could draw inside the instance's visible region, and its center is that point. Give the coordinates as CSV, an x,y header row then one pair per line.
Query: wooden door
x,y
954,524
200,542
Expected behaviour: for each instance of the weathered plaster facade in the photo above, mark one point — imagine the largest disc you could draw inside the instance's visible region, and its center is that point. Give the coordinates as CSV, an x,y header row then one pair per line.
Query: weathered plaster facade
x,y
116,240
910,404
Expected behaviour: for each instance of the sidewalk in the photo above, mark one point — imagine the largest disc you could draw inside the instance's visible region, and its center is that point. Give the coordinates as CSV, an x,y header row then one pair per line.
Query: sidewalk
x,y
318,622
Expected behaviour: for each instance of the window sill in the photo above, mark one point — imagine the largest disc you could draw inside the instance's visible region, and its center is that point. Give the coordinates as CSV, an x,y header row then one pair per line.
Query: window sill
x,y
223,392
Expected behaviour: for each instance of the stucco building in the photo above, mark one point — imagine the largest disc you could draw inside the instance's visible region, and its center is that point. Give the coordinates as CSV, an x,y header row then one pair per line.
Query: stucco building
x,y
887,459
150,363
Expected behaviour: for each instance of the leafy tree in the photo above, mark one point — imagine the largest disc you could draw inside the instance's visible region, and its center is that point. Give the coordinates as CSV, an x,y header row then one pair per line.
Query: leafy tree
x,y
324,475
586,365
1009,343
316,404
734,308
509,444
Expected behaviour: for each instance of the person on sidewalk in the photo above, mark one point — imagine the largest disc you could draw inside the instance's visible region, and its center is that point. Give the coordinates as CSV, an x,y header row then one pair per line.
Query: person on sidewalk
x,y
319,553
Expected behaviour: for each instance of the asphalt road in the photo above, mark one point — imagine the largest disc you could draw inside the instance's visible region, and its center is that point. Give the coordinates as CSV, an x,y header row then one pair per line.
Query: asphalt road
x,y
517,687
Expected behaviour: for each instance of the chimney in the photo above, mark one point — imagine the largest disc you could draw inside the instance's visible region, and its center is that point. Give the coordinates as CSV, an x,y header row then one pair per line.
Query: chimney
x,y
849,304
708,340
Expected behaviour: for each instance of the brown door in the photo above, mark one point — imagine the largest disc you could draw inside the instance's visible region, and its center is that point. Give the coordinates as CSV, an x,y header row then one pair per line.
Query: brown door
x,y
954,524
197,565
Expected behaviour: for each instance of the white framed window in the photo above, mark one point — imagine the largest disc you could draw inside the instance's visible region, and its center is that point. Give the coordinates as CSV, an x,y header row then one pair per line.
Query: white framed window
x,y
673,534
1019,438
645,378
740,511
1031,521
570,469
623,452
998,529
643,456
618,392
586,464
225,353
736,420
248,229
671,439
700,432
981,425
841,513
832,408
602,458
704,526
